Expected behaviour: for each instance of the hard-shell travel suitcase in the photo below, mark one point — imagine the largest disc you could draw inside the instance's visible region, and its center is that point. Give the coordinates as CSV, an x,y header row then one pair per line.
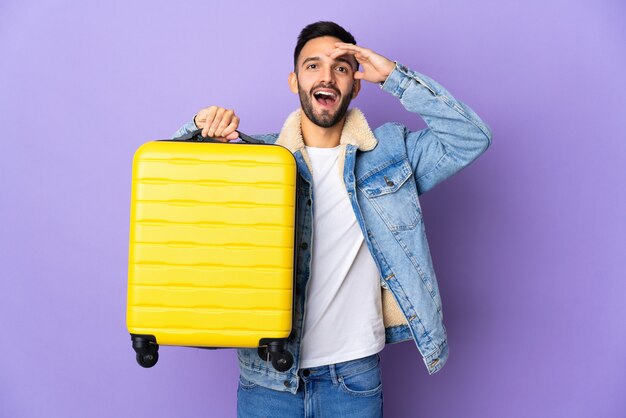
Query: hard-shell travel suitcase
x,y
211,258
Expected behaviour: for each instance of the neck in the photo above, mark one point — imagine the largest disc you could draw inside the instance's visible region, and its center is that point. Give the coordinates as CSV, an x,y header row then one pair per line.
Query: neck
x,y
318,137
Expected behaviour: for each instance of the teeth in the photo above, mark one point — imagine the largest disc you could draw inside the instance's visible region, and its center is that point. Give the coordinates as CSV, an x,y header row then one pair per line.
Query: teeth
x,y
325,93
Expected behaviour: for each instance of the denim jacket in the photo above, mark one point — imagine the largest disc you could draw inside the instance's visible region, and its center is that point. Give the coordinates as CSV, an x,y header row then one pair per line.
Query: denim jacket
x,y
384,172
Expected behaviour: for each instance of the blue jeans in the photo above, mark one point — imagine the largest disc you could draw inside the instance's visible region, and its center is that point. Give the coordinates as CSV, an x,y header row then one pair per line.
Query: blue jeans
x,y
349,389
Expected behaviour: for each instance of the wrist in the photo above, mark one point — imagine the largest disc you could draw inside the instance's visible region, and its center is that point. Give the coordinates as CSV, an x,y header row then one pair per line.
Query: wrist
x,y
387,74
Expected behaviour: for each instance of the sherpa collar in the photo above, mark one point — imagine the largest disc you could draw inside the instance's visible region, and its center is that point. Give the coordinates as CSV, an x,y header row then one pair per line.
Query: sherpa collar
x,y
356,131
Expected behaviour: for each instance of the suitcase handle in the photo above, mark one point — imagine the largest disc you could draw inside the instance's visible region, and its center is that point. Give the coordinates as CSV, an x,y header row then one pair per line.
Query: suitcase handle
x,y
197,136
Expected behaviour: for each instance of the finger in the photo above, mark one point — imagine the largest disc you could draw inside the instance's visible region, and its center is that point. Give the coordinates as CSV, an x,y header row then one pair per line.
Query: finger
x,y
359,75
348,47
339,52
216,121
230,129
232,136
360,53
227,118
345,47
345,44
209,119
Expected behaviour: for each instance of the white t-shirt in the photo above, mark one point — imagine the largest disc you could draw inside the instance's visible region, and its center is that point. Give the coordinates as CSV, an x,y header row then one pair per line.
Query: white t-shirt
x,y
343,313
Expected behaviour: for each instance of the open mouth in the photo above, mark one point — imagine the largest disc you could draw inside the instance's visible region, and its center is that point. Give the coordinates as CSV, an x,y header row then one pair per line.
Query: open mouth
x,y
326,98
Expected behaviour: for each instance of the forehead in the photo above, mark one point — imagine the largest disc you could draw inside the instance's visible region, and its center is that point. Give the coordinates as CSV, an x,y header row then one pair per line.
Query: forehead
x,y
318,47
315,46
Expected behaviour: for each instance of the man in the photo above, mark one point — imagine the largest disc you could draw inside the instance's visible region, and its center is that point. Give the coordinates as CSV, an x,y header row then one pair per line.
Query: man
x,y
364,272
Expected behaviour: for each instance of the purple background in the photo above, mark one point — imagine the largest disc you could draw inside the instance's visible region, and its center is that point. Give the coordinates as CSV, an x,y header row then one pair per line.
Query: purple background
x,y
528,242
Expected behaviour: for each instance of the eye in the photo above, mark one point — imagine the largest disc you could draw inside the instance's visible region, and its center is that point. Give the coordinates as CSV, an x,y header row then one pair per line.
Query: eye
x,y
311,66
342,69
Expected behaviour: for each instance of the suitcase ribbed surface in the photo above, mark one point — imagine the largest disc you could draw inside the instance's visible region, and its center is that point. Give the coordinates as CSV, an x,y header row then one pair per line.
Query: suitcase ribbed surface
x,y
211,243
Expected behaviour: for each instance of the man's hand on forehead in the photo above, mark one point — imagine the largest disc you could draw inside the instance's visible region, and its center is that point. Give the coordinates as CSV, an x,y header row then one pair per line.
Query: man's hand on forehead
x,y
376,68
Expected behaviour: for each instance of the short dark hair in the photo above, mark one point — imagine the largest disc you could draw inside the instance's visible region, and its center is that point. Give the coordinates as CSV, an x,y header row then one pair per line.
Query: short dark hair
x,y
317,30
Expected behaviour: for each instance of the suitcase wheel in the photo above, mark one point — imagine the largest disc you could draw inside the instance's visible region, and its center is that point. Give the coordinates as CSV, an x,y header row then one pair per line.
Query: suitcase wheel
x,y
147,350
149,359
281,359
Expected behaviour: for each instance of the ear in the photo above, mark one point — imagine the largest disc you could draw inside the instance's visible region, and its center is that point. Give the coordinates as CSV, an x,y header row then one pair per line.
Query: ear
x,y
293,82
356,88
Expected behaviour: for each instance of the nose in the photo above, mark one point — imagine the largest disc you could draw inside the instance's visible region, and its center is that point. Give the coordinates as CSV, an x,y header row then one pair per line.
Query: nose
x,y
328,76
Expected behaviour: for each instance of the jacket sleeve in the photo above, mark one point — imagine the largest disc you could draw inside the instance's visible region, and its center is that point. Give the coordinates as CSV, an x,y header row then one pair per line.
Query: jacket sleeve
x,y
185,129
455,135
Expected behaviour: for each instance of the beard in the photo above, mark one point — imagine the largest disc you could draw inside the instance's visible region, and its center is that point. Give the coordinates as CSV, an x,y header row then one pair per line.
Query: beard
x,y
326,119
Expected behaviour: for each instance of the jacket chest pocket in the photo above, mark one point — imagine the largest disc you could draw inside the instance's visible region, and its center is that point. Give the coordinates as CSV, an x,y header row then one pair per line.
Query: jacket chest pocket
x,y
392,192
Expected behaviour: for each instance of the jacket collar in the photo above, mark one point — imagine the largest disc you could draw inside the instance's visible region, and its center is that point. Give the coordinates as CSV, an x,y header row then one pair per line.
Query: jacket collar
x,y
356,131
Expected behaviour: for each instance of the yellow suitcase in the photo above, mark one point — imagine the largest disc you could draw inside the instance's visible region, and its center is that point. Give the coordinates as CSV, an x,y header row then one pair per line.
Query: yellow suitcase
x,y
211,257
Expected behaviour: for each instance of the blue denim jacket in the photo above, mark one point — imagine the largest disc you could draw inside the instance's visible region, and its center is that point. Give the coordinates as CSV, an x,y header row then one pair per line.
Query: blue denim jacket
x,y
384,172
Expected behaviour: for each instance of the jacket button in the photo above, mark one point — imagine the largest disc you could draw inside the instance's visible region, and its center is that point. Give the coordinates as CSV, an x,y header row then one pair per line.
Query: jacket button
x,y
287,383
308,202
304,246
306,373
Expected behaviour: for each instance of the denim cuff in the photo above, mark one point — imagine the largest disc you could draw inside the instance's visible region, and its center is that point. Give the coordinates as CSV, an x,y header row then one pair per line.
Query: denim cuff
x,y
185,129
392,83
397,81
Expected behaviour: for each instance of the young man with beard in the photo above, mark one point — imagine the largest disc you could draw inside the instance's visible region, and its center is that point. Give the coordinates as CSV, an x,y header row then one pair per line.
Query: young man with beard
x,y
364,273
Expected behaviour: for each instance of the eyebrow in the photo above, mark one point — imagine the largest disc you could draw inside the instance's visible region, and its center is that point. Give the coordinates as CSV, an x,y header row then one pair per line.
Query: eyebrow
x,y
339,58
310,59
